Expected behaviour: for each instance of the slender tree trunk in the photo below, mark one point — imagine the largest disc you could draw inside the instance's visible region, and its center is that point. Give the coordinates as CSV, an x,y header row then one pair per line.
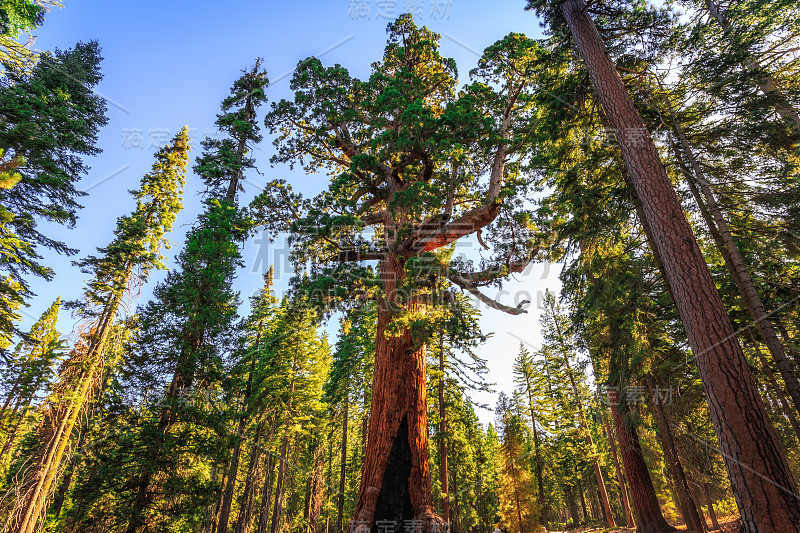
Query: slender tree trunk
x,y
180,382
759,474
598,474
246,502
277,510
266,491
687,503
585,512
343,466
765,81
537,452
645,503
456,508
443,469
12,436
227,499
516,494
787,410
396,480
710,506
620,477
317,493
233,469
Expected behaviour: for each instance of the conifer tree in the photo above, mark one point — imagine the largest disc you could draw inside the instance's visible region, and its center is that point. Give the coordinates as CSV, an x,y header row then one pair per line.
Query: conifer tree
x,y
126,261
33,365
517,506
186,328
49,121
746,435
407,153
16,17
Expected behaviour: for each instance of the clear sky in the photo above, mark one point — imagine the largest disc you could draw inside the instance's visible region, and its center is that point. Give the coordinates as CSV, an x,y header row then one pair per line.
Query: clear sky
x,y
170,63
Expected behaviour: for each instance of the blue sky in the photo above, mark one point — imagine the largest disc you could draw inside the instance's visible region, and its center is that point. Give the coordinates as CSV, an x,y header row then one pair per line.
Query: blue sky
x,y
169,64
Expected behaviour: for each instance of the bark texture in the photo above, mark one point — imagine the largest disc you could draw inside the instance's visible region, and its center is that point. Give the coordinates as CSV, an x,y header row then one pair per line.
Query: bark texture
x,y
395,479
645,503
760,477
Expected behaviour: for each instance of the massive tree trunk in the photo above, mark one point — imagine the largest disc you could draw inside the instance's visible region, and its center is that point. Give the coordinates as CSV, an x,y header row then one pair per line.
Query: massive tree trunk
x,y
395,479
760,477
645,503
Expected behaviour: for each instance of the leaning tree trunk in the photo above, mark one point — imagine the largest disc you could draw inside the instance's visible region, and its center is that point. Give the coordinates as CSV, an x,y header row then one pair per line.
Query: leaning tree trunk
x,y
266,492
690,515
395,479
61,418
645,503
280,486
765,80
718,227
246,501
760,476
773,383
598,474
710,505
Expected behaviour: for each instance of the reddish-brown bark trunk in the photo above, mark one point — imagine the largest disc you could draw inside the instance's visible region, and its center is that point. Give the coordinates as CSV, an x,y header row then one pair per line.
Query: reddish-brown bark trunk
x,y
688,506
645,503
395,480
620,476
710,506
758,471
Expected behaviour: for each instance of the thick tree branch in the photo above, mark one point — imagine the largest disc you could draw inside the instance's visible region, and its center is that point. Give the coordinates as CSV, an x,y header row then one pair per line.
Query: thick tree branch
x,y
465,284
358,255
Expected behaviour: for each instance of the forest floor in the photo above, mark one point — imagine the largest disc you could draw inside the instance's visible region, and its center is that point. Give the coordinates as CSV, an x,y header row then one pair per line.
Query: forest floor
x,y
727,524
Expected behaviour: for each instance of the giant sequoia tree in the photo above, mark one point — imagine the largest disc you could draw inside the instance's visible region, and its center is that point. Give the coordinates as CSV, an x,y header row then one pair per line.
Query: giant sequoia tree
x,y
421,165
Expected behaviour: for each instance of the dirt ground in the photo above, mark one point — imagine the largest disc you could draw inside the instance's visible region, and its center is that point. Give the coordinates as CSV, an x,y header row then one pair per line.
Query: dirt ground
x,y
727,524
